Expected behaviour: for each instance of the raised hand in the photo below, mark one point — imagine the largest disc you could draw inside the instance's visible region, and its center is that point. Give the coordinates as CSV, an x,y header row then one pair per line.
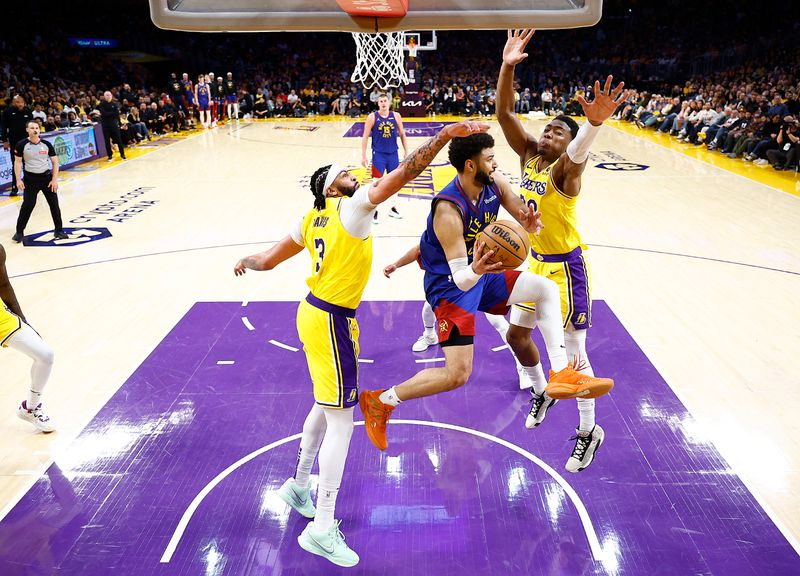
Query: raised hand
x,y
605,102
514,50
467,128
530,220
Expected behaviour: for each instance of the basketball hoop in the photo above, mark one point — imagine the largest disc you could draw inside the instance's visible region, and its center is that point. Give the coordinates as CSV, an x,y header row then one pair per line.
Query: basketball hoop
x,y
379,59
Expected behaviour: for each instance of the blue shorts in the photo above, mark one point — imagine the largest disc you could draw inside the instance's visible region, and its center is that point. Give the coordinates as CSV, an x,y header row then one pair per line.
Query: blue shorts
x,y
455,308
383,163
203,104
231,99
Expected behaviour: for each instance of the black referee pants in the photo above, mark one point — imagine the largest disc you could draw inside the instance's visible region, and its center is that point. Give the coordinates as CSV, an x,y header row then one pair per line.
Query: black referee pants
x,y
35,183
13,176
111,131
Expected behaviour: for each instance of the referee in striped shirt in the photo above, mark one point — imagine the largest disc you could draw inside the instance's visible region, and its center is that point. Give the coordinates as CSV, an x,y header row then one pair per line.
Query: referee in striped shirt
x,y
36,170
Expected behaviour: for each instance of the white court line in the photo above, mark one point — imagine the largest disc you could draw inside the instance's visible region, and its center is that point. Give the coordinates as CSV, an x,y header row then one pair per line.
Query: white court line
x,y
247,324
594,544
284,346
365,361
244,304
428,360
225,362
26,473
67,440
498,348
748,483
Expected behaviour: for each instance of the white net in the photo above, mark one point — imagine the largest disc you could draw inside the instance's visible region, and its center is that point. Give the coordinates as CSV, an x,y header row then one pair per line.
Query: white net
x,y
379,60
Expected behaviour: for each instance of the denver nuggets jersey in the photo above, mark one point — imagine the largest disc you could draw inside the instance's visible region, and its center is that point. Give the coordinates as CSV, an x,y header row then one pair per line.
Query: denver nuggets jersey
x,y
384,134
475,217
341,264
202,92
560,233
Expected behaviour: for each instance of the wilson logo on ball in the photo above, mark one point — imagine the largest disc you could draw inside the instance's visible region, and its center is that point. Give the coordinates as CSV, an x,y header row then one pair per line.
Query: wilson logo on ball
x,y
502,233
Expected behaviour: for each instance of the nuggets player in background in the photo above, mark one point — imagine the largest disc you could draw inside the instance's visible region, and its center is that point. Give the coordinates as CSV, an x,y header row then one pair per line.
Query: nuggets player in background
x,y
336,233
551,181
202,95
383,126
459,281
15,333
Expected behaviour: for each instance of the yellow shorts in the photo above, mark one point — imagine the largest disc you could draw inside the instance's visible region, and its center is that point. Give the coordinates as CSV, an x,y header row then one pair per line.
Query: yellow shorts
x,y
10,323
330,341
574,284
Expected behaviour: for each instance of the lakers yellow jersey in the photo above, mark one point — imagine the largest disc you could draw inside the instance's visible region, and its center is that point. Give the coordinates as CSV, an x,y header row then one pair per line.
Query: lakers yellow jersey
x,y
560,233
340,264
10,323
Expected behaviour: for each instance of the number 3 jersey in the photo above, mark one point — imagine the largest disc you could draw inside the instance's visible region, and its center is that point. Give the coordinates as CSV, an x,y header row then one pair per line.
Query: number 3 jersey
x,y
340,243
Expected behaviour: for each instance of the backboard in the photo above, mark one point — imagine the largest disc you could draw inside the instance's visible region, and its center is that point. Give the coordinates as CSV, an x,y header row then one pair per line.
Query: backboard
x,y
326,15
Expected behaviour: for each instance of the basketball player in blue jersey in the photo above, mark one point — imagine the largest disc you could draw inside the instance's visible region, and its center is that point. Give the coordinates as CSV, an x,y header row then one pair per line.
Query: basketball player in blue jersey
x,y
188,98
551,181
202,95
17,334
459,281
429,337
336,232
383,126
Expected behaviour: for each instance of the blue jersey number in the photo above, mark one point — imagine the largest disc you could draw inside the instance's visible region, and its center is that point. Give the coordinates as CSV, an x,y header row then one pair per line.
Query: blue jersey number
x,y
319,245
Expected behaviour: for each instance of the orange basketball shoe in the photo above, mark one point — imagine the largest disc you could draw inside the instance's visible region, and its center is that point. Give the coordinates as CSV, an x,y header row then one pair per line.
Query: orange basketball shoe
x,y
376,416
570,383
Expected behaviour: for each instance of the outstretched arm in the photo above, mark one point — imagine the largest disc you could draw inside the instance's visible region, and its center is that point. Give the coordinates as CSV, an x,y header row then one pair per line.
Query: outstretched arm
x,y
267,260
521,212
6,290
419,159
404,260
514,52
568,175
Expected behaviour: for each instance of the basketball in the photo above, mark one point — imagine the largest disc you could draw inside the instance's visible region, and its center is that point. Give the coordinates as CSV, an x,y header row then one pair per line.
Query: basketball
x,y
509,242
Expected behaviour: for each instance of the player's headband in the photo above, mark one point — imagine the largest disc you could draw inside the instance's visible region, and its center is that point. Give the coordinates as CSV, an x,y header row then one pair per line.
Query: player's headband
x,y
333,172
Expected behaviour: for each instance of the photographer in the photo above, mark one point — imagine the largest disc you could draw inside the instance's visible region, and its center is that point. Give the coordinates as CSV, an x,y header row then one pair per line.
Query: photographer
x,y
785,157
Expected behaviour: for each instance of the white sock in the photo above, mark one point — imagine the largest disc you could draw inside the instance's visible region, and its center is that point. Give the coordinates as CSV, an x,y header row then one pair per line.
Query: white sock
x,y
33,400
27,341
536,376
313,433
586,413
428,320
498,322
576,348
533,288
390,397
332,457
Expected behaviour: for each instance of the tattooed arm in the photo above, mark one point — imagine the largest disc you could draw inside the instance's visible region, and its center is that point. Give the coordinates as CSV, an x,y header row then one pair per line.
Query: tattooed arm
x,y
283,250
419,159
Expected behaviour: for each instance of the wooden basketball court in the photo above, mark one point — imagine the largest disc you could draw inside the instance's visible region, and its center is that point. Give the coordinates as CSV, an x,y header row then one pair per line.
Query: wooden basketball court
x,y
699,263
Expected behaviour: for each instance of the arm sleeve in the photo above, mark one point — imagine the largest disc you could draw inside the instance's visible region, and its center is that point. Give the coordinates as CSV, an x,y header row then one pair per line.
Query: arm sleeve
x,y
51,151
356,213
296,232
19,147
